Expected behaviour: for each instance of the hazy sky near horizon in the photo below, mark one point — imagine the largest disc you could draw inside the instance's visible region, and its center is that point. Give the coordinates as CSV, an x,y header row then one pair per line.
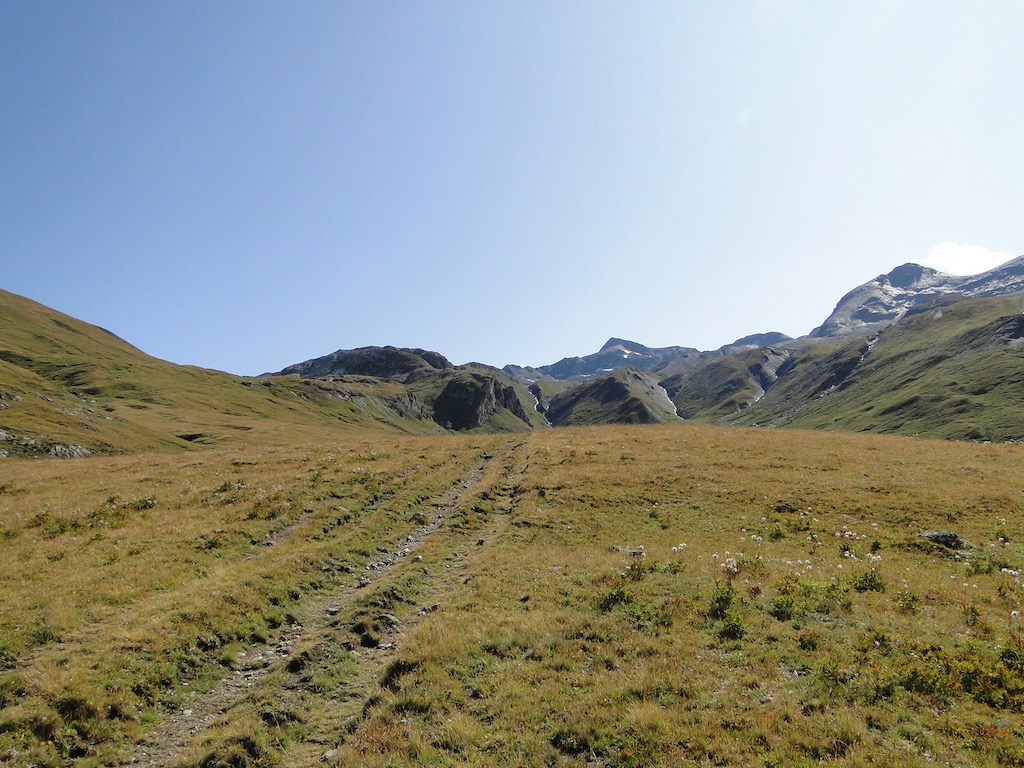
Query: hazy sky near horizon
x,y
246,185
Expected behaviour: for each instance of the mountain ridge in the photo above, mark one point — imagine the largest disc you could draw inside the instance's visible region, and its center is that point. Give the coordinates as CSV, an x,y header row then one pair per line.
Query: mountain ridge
x,y
865,309
912,351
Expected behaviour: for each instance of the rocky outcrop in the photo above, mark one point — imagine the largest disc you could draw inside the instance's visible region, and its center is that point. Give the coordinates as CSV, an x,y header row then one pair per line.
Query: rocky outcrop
x,y
772,338
470,399
766,371
379,362
422,386
61,451
943,538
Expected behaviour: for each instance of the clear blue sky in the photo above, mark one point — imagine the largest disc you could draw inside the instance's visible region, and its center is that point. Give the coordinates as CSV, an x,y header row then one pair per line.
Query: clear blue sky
x,y
245,185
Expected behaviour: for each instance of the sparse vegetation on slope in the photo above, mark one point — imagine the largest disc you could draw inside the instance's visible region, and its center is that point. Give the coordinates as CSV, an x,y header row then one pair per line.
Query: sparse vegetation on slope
x,y
721,387
626,396
954,370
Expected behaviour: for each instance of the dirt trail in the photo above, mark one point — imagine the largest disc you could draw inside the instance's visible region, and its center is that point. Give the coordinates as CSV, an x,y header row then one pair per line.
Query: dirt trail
x,y
168,741
464,554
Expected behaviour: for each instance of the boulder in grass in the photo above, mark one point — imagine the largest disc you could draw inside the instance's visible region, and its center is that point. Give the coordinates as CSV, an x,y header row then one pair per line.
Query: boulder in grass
x,y
943,538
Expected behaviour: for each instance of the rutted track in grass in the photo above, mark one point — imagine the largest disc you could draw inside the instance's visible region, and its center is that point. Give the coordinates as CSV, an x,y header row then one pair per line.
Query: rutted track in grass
x,y
288,653
453,562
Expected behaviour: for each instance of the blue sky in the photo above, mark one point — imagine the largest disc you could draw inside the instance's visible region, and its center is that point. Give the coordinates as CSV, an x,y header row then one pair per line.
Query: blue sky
x,y
245,185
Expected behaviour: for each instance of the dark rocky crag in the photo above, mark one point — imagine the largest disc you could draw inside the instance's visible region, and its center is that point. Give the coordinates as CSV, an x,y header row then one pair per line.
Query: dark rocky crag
x,y
379,362
468,401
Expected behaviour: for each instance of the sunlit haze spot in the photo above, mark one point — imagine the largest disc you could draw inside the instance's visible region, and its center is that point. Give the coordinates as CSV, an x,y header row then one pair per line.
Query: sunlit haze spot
x,y
964,259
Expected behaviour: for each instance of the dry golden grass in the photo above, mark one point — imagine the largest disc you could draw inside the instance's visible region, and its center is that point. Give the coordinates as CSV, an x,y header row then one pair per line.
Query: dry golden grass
x,y
805,619
132,574
572,650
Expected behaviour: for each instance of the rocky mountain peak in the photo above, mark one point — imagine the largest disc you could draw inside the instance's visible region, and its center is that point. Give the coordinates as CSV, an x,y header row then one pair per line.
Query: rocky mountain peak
x,y
909,275
613,355
622,345
882,301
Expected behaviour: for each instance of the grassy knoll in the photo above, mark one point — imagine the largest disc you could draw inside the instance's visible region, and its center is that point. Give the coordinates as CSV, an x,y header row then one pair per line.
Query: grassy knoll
x,y
618,596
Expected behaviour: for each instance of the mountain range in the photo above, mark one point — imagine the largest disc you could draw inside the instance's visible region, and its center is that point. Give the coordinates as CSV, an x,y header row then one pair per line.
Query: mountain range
x,y
914,351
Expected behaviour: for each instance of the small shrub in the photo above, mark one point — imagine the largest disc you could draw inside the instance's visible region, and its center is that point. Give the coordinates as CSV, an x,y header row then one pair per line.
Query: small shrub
x,y
721,601
61,525
388,598
732,627
579,741
619,595
260,636
808,639
228,655
869,581
411,705
43,634
842,734
925,679
789,584
906,601
369,631
781,607
980,565
241,751
396,670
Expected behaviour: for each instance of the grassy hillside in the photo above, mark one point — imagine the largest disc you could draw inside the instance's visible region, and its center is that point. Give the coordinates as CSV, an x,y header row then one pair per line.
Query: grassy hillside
x,y
64,382
620,596
955,370
627,396
718,388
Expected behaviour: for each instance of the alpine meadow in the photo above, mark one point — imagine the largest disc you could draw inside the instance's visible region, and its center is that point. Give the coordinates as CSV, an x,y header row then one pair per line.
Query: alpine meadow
x,y
785,552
